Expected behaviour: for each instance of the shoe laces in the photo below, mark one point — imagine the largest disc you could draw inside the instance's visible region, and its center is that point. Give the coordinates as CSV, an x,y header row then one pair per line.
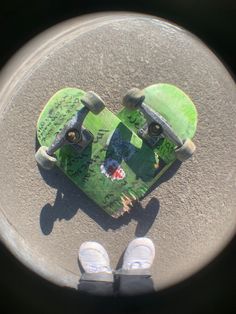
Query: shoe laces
x,y
139,265
98,269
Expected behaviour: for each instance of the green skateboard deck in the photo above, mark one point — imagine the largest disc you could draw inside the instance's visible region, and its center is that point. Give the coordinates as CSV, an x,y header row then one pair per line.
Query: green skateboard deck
x,y
175,106
117,168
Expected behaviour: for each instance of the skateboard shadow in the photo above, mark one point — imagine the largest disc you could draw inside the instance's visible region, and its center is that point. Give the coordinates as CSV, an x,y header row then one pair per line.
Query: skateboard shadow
x,y
69,199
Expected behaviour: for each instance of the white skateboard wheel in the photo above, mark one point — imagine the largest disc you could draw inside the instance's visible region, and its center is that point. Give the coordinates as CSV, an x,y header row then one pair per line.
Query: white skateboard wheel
x,y
185,151
93,102
43,159
133,99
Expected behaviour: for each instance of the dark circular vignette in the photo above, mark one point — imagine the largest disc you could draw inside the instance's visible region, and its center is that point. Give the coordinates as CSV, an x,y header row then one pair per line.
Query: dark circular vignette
x,y
24,292
213,21
21,291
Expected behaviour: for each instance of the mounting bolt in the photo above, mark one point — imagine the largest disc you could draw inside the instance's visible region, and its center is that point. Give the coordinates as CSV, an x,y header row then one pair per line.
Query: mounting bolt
x,y
73,136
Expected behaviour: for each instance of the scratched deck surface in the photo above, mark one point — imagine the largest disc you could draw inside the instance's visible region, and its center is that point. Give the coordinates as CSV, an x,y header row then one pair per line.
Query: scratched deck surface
x,y
115,169
175,106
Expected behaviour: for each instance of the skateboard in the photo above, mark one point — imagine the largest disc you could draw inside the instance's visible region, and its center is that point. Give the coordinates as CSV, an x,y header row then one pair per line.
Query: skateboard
x,y
116,159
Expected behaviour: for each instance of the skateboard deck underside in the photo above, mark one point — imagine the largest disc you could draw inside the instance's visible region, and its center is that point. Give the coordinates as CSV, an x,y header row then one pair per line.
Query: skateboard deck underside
x,y
115,169
175,106
118,167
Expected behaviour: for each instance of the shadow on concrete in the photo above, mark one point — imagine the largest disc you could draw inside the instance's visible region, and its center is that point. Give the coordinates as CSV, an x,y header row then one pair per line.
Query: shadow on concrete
x,y
166,176
69,199
120,262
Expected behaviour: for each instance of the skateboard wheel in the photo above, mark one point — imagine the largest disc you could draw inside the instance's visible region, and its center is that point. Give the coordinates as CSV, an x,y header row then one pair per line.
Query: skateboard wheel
x,y
93,102
133,99
185,151
43,159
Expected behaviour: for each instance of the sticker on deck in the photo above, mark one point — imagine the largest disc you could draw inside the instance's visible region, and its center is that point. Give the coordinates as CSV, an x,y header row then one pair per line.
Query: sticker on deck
x,y
112,169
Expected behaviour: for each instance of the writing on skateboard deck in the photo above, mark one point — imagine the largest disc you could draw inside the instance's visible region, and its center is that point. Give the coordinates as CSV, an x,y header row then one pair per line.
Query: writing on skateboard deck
x,y
107,158
175,107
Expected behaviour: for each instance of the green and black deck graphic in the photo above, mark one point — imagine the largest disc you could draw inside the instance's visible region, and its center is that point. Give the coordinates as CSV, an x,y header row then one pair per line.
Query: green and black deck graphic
x,y
118,167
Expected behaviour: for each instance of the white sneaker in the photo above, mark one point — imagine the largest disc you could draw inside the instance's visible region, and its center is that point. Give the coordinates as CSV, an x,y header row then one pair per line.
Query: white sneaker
x,y
139,254
94,258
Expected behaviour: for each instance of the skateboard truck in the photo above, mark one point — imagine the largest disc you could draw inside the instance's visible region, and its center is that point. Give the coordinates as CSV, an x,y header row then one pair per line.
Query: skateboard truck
x,y
156,126
73,133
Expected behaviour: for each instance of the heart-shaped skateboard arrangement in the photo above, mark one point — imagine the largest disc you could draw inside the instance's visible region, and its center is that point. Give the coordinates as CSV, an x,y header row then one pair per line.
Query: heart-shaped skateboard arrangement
x,y
116,159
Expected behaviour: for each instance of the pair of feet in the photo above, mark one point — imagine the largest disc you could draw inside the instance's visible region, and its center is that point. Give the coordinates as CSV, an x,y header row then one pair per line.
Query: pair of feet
x,y
139,255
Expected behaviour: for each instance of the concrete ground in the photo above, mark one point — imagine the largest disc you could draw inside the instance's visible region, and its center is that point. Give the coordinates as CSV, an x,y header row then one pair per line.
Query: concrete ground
x,y
191,214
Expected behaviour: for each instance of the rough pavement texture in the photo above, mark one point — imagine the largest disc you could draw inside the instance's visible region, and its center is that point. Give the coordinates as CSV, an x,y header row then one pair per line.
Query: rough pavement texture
x,y
190,216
